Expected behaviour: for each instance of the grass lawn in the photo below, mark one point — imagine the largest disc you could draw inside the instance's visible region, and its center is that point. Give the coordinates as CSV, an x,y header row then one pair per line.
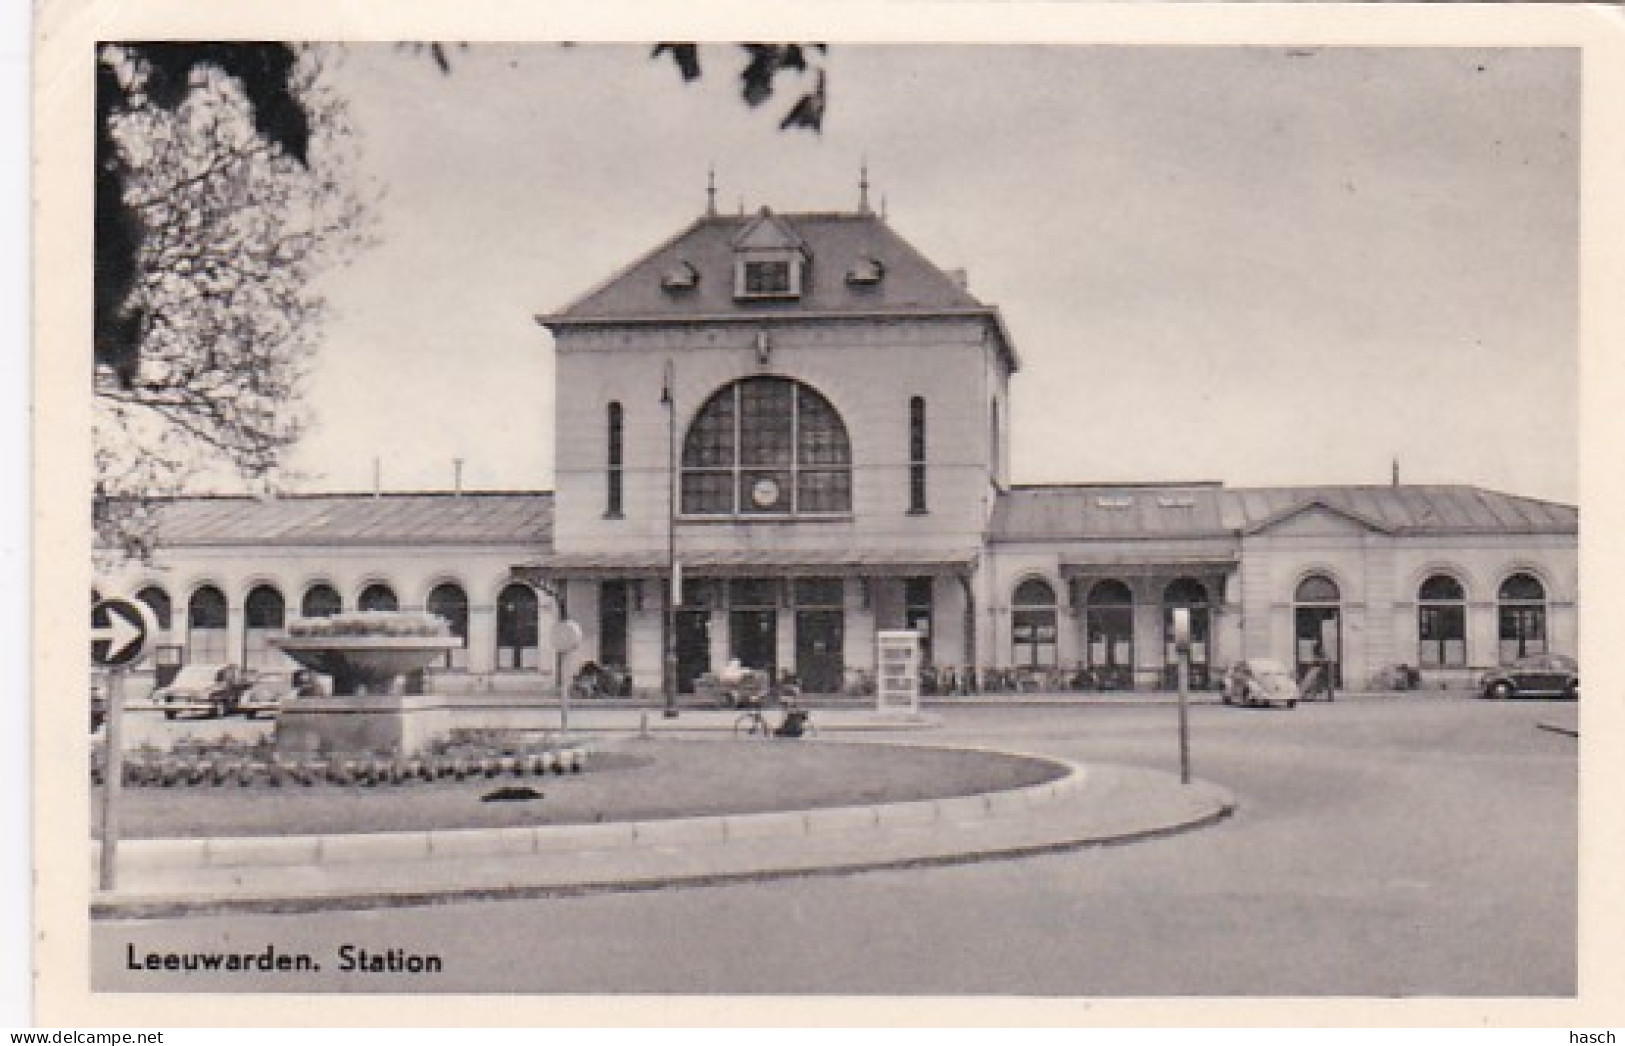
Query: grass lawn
x,y
628,780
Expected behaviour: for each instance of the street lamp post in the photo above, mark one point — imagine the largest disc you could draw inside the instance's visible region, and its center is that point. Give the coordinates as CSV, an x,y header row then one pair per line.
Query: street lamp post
x,y
674,593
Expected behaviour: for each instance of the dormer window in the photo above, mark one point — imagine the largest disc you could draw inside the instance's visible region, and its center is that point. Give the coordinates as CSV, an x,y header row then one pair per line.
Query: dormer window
x,y
866,273
764,278
680,277
770,260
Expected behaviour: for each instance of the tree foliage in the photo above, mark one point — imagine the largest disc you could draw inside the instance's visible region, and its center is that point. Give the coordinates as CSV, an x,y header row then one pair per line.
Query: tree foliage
x,y
218,201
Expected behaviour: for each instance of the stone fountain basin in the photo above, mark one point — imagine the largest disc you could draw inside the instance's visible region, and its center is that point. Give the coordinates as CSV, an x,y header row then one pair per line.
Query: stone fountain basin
x,y
383,718
366,659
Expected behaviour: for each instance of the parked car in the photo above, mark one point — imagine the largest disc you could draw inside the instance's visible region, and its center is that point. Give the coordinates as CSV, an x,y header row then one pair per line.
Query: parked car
x,y
212,690
1260,681
1538,675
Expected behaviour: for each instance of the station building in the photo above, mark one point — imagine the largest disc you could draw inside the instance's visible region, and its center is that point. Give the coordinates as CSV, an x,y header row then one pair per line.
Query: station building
x,y
806,423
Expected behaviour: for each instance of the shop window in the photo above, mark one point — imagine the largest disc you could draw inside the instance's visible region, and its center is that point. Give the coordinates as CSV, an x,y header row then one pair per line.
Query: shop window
x,y
1441,623
1033,629
450,602
766,447
1521,614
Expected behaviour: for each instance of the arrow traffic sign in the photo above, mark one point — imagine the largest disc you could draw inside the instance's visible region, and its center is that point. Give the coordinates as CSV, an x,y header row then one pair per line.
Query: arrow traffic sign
x,y
121,632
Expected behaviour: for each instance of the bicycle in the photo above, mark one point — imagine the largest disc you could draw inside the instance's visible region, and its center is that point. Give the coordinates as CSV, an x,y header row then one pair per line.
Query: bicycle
x,y
796,722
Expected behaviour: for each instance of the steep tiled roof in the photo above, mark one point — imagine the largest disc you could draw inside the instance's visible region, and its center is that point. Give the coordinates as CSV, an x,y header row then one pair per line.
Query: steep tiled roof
x,y
837,243
359,519
1108,512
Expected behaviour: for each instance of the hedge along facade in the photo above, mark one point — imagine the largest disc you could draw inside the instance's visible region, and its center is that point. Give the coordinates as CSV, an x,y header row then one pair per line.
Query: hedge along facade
x,y
811,420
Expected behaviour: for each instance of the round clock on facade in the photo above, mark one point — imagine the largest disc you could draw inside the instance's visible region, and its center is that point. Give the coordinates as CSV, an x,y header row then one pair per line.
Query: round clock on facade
x,y
765,493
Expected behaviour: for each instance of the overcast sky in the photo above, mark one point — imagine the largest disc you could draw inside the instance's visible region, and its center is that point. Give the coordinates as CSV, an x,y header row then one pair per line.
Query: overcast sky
x,y
1256,265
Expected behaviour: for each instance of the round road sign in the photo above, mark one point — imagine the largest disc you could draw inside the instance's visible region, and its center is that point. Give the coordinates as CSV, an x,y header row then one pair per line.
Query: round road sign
x,y
122,632
566,636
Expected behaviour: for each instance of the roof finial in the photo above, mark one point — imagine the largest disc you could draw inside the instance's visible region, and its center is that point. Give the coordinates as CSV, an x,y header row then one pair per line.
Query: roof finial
x,y
863,187
882,206
711,191
1396,471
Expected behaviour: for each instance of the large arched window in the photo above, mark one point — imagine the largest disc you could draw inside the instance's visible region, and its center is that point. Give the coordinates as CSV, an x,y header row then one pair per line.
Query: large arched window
x,y
1521,610
518,628
451,602
766,446
263,614
1032,624
1441,623
206,622
321,601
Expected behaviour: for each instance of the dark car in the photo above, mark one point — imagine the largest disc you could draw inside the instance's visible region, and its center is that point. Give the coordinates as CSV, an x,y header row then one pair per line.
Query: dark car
x,y
1538,675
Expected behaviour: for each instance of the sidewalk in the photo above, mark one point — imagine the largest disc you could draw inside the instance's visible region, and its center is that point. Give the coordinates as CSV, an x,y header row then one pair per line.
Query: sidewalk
x,y
1095,806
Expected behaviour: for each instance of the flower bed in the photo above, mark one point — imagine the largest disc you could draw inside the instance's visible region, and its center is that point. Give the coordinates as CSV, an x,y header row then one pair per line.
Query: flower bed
x,y
228,761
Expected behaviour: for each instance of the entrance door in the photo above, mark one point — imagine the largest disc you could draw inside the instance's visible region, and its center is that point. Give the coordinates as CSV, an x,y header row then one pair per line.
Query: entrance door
x,y
1322,627
820,639
752,636
693,647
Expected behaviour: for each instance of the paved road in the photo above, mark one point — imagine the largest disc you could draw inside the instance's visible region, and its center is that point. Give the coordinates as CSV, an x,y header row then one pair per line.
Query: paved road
x,y
1397,846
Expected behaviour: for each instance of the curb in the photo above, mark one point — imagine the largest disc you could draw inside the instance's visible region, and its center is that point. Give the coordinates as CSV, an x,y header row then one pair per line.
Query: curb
x,y
380,847
154,908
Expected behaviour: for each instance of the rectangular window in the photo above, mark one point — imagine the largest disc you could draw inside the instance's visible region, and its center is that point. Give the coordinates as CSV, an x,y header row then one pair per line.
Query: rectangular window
x,y
753,592
827,592
708,493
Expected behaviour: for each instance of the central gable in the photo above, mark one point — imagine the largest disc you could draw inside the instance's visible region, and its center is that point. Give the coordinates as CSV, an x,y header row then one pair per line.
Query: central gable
x,y
1316,519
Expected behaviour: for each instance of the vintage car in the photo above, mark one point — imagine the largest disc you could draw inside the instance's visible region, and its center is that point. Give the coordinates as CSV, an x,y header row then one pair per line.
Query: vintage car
x,y
1538,675
1260,681
212,690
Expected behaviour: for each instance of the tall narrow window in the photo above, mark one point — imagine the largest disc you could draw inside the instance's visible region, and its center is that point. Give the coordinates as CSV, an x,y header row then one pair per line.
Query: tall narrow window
x,y
916,454
615,462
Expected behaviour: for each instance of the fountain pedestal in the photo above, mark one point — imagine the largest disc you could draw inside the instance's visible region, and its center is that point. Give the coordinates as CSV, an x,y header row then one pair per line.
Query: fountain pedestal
x,y
370,709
